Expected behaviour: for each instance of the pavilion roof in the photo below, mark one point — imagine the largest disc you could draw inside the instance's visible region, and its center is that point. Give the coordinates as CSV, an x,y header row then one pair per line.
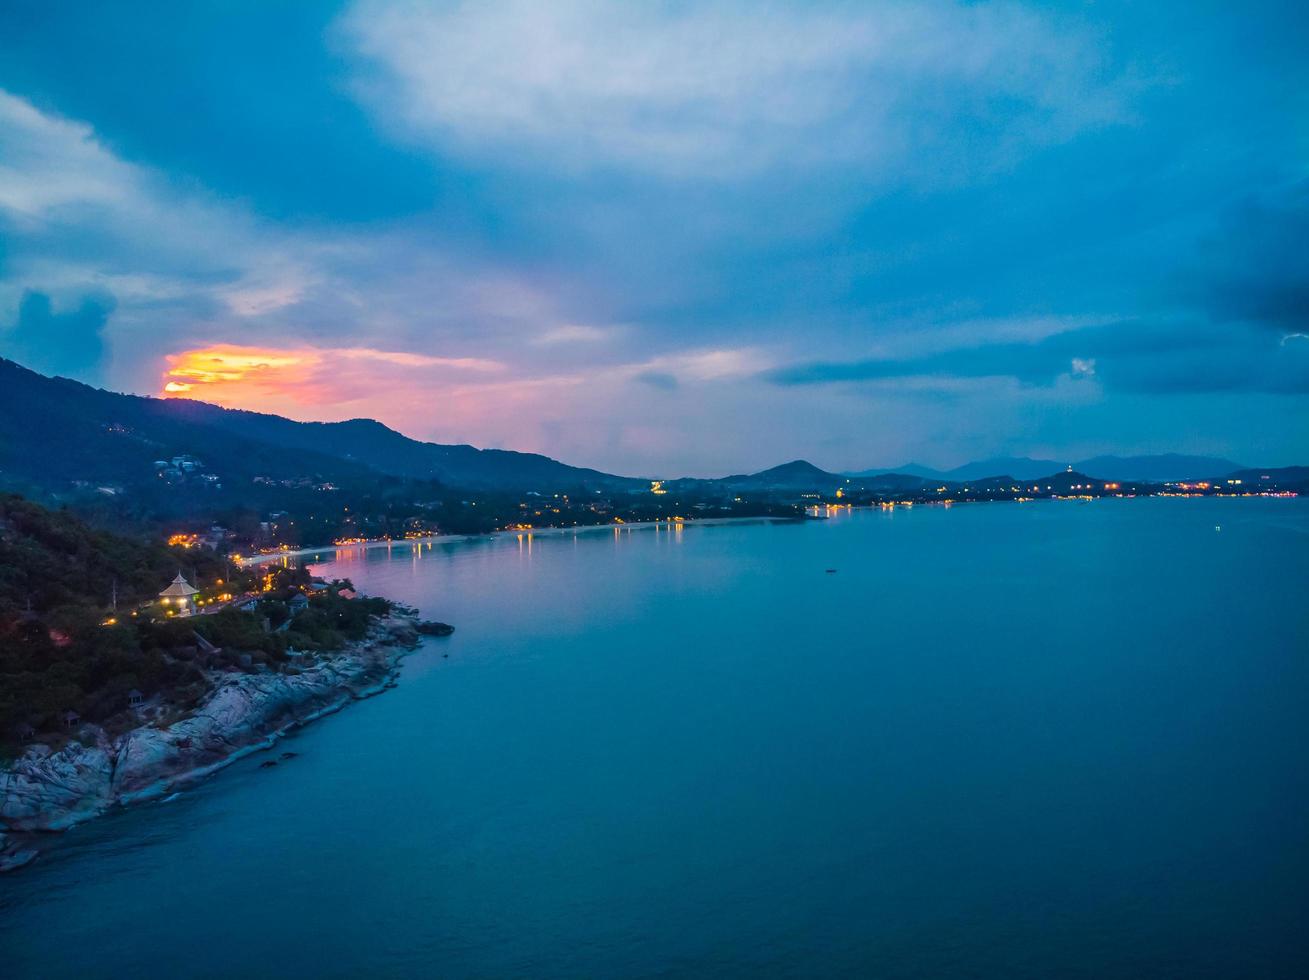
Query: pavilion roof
x,y
180,587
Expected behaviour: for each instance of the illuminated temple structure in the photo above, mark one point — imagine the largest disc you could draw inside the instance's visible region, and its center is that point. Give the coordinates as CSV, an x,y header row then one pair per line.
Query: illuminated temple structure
x,y
179,598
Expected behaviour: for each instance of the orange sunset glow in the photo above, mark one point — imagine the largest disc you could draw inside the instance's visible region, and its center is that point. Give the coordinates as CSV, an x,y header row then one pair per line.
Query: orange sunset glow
x,y
213,369
417,393
261,377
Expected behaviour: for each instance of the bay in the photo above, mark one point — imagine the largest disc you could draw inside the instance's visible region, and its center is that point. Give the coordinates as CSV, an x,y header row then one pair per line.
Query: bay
x,y
1014,740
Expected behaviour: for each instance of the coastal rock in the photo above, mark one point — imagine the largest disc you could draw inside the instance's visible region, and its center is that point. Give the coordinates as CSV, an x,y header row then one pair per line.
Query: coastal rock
x,y
44,790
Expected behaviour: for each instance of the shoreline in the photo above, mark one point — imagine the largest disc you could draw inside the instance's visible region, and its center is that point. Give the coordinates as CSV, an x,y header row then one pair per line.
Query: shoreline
x,y
45,792
246,560
433,539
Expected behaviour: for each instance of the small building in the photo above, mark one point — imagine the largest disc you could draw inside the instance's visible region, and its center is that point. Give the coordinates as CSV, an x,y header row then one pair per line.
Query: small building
x,y
348,594
298,602
135,698
23,732
179,597
72,719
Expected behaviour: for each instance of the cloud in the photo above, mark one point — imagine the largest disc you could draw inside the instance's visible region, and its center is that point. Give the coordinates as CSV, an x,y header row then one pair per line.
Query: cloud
x,y
78,219
576,333
1180,358
68,343
1256,267
713,90
970,212
658,379
716,364
84,215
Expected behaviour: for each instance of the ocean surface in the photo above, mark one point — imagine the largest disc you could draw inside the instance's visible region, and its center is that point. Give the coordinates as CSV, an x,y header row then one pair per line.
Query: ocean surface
x,y
1000,740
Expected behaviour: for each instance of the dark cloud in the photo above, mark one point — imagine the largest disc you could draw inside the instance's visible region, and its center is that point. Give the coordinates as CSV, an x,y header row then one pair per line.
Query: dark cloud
x,y
69,343
1257,267
1128,357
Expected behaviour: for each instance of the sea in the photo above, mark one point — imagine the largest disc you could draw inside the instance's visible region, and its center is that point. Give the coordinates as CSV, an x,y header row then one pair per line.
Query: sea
x,y
1043,739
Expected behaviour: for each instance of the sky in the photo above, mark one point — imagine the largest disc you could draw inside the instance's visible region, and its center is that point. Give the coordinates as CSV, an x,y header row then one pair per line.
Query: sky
x,y
673,239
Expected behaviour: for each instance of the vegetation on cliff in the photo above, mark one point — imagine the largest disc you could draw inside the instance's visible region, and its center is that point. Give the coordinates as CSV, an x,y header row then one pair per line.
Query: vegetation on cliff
x,y
83,639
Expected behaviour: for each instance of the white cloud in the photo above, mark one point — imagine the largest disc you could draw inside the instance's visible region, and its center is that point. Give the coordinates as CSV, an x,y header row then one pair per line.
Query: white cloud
x,y
706,365
135,233
576,333
727,88
188,268
47,163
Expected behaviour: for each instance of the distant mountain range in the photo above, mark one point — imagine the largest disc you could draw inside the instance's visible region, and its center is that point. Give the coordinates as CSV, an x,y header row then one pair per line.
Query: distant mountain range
x,y
55,432
803,475
1148,469
372,444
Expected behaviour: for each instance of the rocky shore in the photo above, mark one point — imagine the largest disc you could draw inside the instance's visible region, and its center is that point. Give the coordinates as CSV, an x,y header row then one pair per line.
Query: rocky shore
x,y
44,791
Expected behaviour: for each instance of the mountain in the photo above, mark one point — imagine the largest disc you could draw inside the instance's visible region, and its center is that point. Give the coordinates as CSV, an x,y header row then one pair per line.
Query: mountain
x,y
56,434
1284,477
900,480
1157,469
798,474
1064,481
1152,469
908,470
54,431
372,444
1018,467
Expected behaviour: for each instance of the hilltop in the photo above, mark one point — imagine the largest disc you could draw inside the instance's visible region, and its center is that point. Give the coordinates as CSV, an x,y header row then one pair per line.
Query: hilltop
x,y
57,434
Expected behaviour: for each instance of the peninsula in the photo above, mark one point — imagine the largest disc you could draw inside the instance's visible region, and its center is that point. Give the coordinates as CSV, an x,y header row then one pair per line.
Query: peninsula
x,y
114,690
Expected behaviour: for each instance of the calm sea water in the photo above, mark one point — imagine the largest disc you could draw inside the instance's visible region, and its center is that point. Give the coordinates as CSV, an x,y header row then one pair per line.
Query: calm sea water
x,y
1000,741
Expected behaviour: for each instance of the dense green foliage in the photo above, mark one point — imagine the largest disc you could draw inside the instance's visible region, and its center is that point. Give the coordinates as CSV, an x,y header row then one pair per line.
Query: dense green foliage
x,y
64,647
65,569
